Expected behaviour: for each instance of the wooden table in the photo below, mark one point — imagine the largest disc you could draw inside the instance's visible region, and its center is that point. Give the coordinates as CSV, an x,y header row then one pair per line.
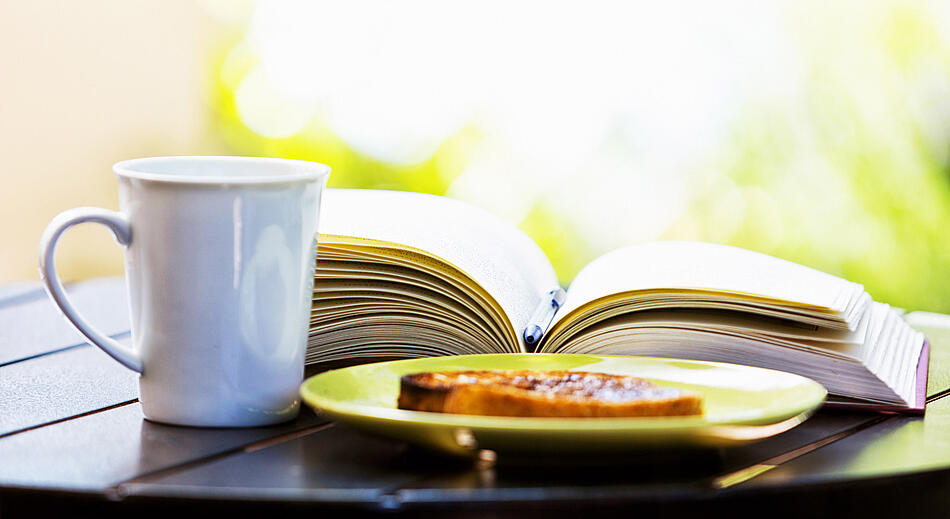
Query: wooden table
x,y
73,440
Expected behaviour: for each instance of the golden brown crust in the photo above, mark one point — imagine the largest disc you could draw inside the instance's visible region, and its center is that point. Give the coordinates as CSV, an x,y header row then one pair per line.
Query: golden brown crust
x,y
543,393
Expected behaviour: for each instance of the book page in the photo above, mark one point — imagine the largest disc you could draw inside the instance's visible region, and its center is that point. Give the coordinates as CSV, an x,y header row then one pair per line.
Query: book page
x,y
696,266
503,260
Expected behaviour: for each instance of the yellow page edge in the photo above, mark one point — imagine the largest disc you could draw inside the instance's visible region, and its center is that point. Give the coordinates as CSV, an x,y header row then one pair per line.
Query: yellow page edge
x,y
612,298
457,273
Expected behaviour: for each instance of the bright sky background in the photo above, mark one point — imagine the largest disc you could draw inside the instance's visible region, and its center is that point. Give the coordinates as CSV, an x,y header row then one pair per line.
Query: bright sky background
x,y
750,123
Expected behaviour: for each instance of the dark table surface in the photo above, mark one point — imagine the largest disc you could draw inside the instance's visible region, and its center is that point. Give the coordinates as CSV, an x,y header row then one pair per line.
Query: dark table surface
x,y
73,440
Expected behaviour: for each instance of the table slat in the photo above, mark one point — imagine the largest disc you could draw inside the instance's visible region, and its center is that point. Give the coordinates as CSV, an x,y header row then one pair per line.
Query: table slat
x,y
36,326
650,478
346,465
61,385
336,464
97,451
900,445
16,292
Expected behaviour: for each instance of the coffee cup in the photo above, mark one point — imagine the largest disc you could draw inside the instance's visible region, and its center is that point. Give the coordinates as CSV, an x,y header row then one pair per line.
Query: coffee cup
x,y
219,265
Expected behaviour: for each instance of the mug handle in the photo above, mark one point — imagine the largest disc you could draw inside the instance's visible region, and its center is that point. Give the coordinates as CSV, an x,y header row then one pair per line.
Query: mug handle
x,y
120,227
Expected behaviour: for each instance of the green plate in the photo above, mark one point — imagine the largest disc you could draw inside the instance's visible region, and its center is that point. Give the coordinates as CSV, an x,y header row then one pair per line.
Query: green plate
x,y
741,404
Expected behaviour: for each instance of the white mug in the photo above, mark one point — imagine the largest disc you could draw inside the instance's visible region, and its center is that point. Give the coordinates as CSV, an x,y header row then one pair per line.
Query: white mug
x,y
219,265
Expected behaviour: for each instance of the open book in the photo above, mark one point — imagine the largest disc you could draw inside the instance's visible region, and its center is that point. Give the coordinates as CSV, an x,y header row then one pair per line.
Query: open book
x,y
404,275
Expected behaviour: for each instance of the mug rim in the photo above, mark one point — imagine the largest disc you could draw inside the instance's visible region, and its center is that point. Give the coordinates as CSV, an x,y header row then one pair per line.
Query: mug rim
x,y
304,171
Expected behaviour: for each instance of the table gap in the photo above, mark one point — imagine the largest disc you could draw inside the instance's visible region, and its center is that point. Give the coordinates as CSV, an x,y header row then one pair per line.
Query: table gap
x,y
117,336
251,447
740,476
68,418
937,396
737,477
16,297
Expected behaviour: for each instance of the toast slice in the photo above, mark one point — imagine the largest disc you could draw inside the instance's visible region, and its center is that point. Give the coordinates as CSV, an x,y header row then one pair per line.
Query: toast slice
x,y
543,393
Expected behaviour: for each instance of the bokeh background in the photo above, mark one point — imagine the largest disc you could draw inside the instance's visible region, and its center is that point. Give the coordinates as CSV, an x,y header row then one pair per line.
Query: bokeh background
x,y
814,131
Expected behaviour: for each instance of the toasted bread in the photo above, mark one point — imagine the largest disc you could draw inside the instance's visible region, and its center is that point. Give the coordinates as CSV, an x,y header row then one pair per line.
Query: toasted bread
x,y
543,393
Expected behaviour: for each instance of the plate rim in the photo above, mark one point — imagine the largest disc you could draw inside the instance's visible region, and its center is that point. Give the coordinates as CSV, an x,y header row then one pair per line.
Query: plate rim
x,y
343,409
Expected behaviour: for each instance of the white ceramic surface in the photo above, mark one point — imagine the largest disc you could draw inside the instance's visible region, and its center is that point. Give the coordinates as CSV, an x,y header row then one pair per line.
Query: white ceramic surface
x,y
219,264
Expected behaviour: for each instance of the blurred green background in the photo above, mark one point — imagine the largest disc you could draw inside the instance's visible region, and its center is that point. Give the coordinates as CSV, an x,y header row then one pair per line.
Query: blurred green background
x,y
816,132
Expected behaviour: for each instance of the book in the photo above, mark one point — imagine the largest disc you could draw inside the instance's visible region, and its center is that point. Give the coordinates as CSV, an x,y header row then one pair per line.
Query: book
x,y
404,275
